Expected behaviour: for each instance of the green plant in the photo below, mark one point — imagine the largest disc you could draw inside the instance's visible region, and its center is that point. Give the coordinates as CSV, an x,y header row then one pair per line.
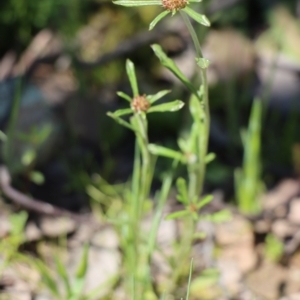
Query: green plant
x,y
10,244
144,163
248,184
192,153
61,284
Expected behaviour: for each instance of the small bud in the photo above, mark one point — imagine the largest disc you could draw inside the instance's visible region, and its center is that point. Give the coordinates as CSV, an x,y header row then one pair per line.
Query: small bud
x,y
174,5
140,104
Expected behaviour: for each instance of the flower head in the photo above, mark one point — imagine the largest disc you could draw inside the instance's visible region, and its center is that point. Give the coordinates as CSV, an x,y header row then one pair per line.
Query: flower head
x,y
174,5
142,104
170,6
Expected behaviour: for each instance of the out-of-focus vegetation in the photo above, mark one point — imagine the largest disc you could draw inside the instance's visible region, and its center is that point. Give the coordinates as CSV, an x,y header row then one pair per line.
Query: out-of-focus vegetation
x,y
75,157
21,20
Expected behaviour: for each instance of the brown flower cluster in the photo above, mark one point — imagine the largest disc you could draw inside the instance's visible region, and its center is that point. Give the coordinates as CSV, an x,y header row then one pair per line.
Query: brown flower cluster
x,y
140,104
174,5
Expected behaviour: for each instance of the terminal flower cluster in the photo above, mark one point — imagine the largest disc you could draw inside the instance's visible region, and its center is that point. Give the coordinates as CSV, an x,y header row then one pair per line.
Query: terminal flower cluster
x,y
170,6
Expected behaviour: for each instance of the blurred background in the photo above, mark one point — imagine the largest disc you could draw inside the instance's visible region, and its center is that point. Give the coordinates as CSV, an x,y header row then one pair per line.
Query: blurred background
x,y
61,63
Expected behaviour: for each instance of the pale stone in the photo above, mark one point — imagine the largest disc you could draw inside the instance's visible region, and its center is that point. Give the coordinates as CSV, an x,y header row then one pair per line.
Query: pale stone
x,y
230,276
236,231
286,190
266,280
32,232
106,238
54,227
294,215
243,256
281,228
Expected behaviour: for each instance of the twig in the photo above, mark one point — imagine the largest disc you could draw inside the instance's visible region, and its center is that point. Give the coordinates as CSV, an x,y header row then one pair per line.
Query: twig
x,y
31,203
132,44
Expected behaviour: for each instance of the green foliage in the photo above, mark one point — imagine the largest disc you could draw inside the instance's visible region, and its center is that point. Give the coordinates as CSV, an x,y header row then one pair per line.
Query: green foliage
x,y
248,184
136,252
2,136
19,19
201,19
204,284
72,284
129,203
9,245
193,154
273,248
189,282
192,206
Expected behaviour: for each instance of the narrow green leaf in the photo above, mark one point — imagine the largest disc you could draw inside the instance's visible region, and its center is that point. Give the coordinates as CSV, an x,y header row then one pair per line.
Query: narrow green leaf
x,y
124,96
202,19
157,96
182,190
130,3
248,186
63,275
204,201
122,112
83,264
120,121
37,177
221,216
166,152
183,145
94,293
210,157
189,282
203,63
47,278
197,111
77,288
28,157
17,222
206,280
191,1
193,138
158,18
3,137
170,107
177,214
132,77
169,64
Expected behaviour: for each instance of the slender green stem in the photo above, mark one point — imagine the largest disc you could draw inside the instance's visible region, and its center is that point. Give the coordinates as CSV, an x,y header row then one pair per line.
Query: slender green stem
x,y
136,181
193,182
165,190
131,241
144,181
185,245
190,279
146,176
197,177
192,33
196,171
